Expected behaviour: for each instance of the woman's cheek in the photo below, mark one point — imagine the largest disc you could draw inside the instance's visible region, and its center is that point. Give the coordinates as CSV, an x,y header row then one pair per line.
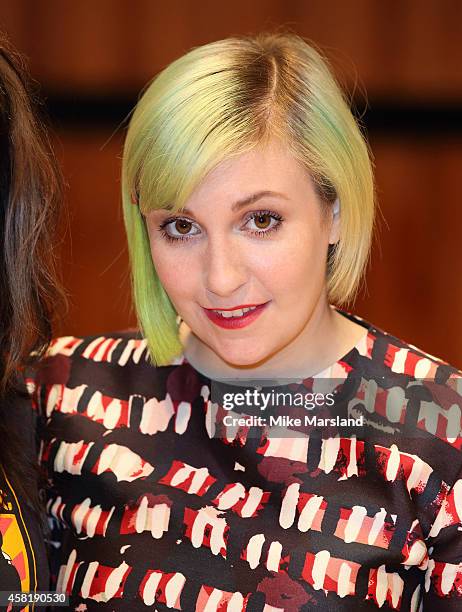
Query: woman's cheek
x,y
170,265
266,256
182,282
286,262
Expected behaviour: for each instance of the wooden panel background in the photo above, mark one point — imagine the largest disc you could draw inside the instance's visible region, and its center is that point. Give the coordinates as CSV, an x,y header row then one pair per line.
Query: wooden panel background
x,y
406,52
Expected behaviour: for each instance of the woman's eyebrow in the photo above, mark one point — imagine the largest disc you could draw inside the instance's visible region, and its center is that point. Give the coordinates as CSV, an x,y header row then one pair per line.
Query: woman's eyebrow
x,y
250,199
256,196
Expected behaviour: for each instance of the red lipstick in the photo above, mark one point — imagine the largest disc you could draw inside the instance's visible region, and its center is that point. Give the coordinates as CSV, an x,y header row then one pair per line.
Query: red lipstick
x,y
236,322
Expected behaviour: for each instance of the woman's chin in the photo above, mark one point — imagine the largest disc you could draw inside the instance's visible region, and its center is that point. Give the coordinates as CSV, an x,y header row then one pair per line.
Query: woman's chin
x,y
243,358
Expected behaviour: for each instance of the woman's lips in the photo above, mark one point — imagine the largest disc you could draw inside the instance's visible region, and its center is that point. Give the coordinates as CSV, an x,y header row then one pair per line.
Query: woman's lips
x,y
235,322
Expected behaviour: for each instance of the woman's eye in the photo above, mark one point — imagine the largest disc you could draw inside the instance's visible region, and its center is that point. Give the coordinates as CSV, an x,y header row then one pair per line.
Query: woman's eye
x,y
177,229
264,222
182,226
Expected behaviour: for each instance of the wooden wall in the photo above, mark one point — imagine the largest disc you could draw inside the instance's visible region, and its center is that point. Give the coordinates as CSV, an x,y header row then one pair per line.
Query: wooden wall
x,y
402,55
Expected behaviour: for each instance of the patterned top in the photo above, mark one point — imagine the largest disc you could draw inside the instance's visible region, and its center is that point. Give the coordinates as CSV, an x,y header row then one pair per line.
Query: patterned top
x,y
155,512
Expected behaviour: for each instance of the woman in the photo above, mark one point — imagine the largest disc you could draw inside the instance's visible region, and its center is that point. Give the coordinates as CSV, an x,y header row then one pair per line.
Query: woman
x,y
248,203
29,193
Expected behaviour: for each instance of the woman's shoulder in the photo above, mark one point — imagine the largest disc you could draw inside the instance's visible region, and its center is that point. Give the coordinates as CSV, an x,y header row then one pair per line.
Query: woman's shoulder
x,y
118,347
397,356
407,392
95,360
107,379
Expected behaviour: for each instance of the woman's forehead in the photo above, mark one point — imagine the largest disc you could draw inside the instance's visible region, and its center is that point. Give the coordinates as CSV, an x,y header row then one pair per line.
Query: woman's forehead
x,y
261,172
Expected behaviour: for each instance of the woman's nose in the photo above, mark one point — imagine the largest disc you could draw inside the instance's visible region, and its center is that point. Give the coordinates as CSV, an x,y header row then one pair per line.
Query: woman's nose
x,y
224,266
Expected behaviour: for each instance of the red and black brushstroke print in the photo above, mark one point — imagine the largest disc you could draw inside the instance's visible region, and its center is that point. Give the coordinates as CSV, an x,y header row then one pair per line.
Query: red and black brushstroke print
x,y
152,512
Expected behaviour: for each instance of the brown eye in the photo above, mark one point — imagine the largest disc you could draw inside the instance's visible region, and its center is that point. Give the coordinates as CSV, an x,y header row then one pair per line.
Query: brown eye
x,y
183,226
262,221
178,230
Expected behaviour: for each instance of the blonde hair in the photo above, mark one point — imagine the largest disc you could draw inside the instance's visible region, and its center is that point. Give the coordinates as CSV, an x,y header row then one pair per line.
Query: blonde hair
x,y
223,99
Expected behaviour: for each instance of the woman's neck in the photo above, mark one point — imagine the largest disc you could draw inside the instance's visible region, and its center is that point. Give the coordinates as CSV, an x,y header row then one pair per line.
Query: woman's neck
x,y
325,339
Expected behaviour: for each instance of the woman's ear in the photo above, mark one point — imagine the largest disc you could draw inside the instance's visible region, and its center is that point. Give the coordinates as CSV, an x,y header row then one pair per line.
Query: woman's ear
x,y
334,234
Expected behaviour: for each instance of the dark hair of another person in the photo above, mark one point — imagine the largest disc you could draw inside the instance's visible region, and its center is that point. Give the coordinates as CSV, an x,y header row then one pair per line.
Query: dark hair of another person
x,y
30,191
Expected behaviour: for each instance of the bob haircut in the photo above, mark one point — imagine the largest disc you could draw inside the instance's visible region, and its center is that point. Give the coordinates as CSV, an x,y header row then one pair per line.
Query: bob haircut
x,y
223,99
